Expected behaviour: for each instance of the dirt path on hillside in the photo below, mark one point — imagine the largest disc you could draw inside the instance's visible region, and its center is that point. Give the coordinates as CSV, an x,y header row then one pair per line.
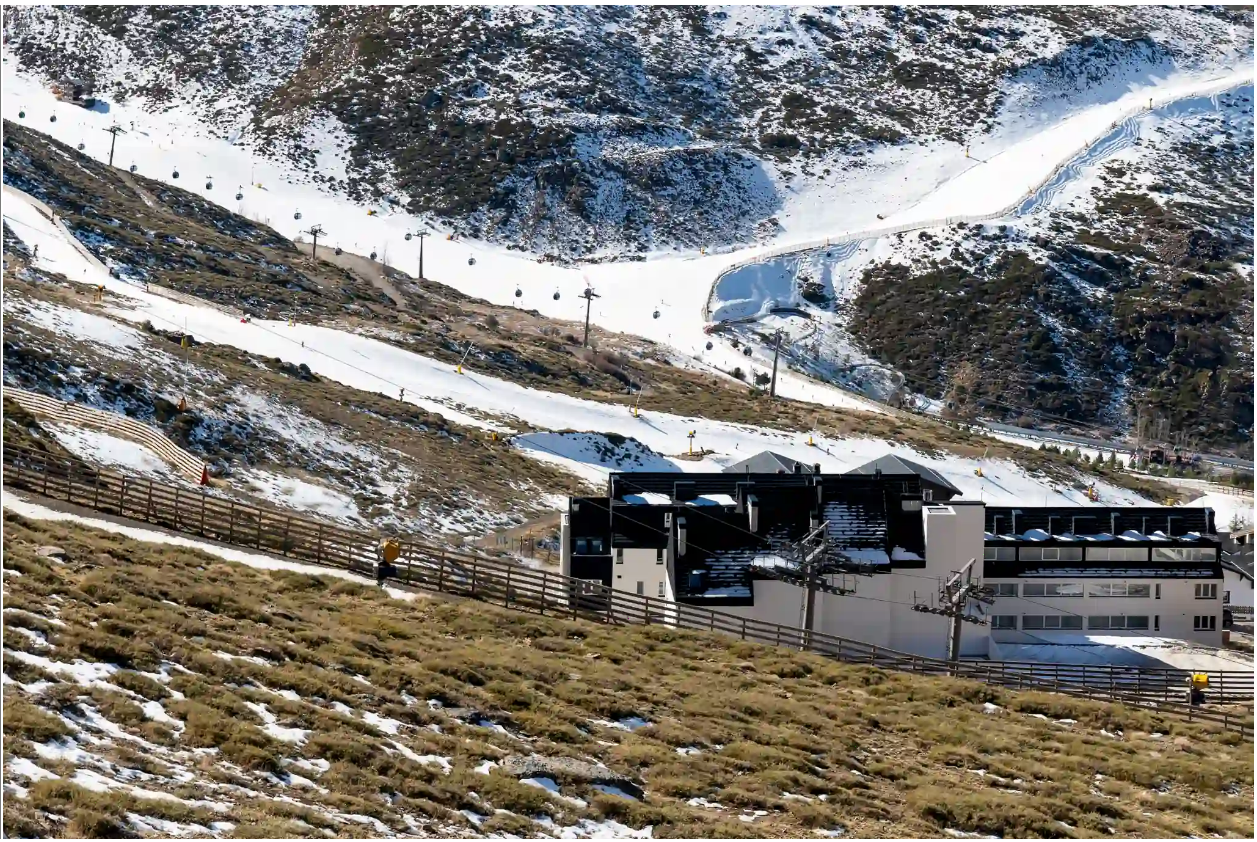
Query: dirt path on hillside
x,y
371,271
145,196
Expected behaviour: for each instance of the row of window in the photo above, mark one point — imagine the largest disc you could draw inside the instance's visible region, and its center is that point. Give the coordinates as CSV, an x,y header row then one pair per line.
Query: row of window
x,y
1204,590
641,589
1036,622
597,546
619,556
1123,554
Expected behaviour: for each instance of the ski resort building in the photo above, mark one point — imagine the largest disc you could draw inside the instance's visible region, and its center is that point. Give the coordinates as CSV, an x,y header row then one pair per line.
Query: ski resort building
x,y
1088,576
729,541
1077,583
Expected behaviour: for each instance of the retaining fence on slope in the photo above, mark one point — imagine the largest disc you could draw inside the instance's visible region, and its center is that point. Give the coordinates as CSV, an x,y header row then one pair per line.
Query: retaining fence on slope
x,y
76,413
877,233
430,567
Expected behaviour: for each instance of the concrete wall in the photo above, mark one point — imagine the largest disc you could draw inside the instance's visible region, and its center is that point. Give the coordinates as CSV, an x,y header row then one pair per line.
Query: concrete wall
x,y
1176,608
630,566
880,611
1240,588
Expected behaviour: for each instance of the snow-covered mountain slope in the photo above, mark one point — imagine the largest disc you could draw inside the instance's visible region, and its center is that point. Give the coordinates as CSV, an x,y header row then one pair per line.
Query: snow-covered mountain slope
x,y
1122,287
587,131
662,299
505,407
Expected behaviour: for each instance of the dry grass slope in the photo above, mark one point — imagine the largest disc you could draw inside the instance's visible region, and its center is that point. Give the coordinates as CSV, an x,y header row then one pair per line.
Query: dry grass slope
x,y
212,661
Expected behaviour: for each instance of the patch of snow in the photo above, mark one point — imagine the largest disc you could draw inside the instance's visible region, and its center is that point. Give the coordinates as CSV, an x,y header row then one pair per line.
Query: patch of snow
x,y
87,673
383,723
604,829
161,827
318,766
609,789
548,784
23,768
270,726
111,451
296,493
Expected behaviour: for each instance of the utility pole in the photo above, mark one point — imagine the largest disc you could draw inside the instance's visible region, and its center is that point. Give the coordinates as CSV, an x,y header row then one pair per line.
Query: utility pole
x,y
589,295
315,231
772,389
817,541
114,131
421,235
954,598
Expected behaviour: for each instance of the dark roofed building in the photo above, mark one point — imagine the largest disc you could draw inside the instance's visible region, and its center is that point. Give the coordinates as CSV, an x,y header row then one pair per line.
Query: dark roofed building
x,y
705,537
767,462
892,465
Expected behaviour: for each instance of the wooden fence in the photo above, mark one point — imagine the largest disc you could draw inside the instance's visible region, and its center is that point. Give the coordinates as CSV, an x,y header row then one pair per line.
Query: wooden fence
x,y
137,431
431,567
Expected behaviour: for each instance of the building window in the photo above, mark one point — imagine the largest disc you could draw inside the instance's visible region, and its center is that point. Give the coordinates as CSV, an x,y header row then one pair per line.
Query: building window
x,y
1226,597
589,546
641,588
990,553
661,589
1206,590
1184,554
1156,622
1066,589
1050,621
1008,621
927,495
1050,554
619,555
1004,589
1119,589
1135,554
659,556
1206,622
1117,623
1157,590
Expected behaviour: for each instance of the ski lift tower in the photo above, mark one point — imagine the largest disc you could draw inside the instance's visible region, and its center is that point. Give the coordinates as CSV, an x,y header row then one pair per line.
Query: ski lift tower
x,y
589,295
113,130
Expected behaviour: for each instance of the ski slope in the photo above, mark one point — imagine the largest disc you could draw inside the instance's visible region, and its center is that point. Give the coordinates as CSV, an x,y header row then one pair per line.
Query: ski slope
x,y
675,285
492,404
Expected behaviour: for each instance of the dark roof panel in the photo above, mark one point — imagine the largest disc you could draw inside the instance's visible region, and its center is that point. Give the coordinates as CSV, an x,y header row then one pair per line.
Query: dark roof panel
x,y
767,462
894,465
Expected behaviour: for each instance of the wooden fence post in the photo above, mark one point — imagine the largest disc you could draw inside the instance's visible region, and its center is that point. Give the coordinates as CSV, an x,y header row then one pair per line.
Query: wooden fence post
x,y
148,511
231,522
744,628
96,493
204,500
318,546
440,576
287,531
506,600
175,512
